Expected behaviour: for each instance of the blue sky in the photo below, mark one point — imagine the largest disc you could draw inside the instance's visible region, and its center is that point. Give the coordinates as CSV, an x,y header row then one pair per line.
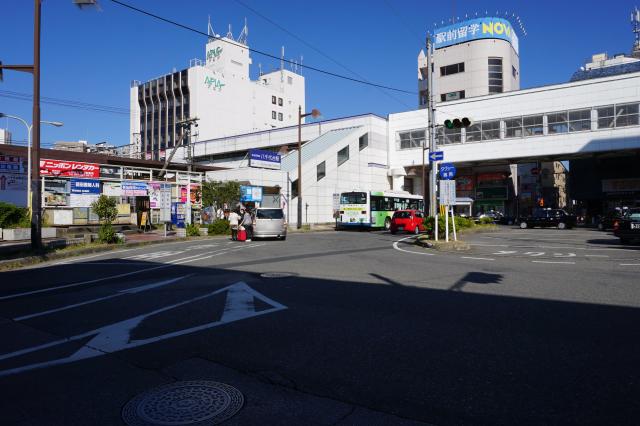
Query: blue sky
x,y
92,56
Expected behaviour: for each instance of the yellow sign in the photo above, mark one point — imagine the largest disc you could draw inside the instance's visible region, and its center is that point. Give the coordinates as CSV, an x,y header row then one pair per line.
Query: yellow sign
x,y
443,209
143,219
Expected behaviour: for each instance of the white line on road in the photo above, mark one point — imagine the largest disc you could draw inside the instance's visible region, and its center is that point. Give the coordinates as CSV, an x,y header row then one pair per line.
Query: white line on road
x,y
549,261
133,290
630,264
476,258
395,246
596,255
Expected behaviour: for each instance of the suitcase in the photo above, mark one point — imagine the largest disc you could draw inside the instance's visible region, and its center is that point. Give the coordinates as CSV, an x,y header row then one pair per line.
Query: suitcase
x,y
242,235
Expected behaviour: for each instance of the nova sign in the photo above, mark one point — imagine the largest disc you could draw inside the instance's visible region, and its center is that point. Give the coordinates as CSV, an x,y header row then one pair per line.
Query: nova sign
x,y
475,29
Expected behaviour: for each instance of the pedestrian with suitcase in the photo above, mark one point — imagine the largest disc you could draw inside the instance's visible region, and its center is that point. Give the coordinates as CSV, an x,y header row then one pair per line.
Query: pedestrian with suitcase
x,y
247,223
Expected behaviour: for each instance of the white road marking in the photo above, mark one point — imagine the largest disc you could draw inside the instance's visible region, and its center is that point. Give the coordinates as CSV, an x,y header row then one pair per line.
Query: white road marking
x,y
596,255
80,259
549,261
395,246
503,252
476,258
534,253
564,255
630,264
125,292
155,255
116,337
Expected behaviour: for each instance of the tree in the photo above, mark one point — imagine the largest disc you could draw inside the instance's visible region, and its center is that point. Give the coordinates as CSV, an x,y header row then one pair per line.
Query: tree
x,y
105,208
220,193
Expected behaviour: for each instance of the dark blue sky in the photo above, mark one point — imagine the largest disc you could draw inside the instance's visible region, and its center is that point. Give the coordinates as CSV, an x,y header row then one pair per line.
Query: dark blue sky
x,y
91,56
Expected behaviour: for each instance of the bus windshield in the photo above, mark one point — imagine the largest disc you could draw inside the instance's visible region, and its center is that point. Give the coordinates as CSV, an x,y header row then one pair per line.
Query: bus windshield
x,y
353,198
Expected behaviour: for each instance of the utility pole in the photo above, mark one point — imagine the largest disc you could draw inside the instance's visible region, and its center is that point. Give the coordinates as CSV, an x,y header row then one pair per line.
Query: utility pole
x,y
433,208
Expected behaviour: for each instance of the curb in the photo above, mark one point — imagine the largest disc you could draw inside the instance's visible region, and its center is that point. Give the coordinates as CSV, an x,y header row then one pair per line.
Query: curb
x,y
9,264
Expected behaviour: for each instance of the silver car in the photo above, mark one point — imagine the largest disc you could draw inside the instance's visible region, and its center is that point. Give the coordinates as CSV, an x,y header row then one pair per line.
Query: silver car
x,y
269,222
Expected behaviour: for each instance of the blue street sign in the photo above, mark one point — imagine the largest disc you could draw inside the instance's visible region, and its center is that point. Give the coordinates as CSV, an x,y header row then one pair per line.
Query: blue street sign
x,y
436,156
447,171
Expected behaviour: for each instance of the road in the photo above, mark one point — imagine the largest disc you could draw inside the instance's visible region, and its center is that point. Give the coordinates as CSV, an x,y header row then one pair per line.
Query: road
x,y
527,327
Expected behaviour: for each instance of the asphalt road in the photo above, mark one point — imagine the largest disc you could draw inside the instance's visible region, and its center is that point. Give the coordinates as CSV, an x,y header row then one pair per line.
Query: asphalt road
x,y
527,327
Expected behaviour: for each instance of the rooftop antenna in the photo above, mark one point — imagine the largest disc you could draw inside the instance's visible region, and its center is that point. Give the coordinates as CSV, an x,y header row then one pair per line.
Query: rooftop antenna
x,y
244,34
210,32
301,58
260,69
282,59
635,23
230,34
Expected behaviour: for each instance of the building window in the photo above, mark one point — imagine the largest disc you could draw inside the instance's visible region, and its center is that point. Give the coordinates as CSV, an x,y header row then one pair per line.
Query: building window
x,y
473,133
321,170
343,155
490,130
273,100
290,80
626,115
579,120
280,101
557,123
513,127
495,75
452,96
294,188
411,139
363,142
452,69
514,72
273,115
279,116
449,136
533,125
606,118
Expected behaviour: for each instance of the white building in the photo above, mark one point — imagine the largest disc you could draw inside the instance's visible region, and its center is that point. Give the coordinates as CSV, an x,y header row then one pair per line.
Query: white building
x,y
5,137
219,92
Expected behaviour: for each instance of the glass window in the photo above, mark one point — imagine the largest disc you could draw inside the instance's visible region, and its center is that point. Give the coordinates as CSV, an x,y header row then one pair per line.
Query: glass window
x,y
363,142
273,115
402,215
294,188
514,72
495,75
533,125
343,155
411,139
626,115
606,119
280,101
452,96
473,133
448,136
279,116
452,69
320,171
513,127
269,214
353,198
579,120
490,130
273,100
557,123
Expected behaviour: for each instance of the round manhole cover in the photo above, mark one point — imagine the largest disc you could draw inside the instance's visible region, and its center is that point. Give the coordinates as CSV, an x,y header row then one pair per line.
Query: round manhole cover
x,y
200,403
277,274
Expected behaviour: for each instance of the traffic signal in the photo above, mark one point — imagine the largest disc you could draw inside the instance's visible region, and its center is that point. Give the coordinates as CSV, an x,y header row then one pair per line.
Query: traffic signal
x,y
457,123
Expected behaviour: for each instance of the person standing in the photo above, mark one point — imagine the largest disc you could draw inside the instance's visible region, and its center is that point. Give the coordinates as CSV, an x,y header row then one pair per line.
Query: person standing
x,y
234,221
247,222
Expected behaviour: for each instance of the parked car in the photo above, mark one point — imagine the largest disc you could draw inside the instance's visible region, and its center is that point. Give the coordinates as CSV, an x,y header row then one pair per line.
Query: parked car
x,y
546,218
494,215
627,228
407,220
269,222
606,221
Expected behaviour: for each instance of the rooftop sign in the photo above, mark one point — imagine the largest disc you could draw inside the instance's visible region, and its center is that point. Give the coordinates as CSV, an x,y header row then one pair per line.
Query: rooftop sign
x,y
476,29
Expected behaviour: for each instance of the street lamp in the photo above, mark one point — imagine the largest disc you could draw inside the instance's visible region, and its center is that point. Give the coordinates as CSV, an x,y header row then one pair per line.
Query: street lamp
x,y
314,113
29,129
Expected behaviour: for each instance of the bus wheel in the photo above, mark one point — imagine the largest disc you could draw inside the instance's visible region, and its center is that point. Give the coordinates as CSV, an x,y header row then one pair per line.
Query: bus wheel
x,y
387,224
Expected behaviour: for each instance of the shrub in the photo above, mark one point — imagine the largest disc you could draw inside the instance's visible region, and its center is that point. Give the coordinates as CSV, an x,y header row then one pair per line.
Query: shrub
x,y
486,220
105,208
193,230
14,217
107,234
220,227
461,223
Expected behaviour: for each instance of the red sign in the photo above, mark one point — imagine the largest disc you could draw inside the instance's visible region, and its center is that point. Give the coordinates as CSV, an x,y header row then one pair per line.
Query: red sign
x,y
69,169
464,183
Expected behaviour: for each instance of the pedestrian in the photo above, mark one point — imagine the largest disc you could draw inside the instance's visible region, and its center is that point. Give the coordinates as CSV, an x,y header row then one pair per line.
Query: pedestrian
x,y
247,222
234,221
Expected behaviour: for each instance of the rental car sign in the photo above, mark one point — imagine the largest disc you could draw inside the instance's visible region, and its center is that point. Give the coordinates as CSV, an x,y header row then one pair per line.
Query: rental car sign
x,y
69,169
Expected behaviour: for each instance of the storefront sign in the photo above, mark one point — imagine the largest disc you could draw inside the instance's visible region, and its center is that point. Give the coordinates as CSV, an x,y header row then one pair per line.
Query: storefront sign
x,y
11,164
264,159
134,189
491,194
82,200
251,193
476,29
621,185
491,179
154,195
69,169
110,171
112,189
85,186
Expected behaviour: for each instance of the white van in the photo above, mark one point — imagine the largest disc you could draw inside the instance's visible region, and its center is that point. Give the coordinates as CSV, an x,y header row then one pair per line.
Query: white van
x,y
269,222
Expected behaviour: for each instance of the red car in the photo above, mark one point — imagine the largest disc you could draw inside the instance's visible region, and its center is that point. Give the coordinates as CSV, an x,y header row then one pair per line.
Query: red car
x,y
407,220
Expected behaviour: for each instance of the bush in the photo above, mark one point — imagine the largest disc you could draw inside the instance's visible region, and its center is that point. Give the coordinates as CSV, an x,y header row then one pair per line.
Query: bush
x,y
220,227
464,222
461,223
486,220
14,217
193,230
107,234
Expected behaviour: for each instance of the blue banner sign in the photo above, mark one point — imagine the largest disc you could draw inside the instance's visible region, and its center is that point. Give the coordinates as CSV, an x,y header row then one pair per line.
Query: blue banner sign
x,y
476,29
447,171
85,186
264,159
251,193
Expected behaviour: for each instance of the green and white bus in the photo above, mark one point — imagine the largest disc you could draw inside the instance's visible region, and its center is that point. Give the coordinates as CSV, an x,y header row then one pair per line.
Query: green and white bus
x,y
374,209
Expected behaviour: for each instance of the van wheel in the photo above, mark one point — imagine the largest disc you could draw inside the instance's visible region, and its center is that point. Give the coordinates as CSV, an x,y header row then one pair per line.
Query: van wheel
x,y
387,224
562,225
523,225
283,238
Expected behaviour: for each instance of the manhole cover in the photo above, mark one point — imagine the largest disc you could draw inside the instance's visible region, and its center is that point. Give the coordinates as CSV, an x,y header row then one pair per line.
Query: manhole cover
x,y
199,403
277,274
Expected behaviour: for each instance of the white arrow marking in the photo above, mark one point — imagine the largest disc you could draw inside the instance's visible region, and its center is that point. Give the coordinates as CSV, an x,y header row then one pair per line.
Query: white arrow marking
x,y
564,255
506,252
116,337
99,299
534,253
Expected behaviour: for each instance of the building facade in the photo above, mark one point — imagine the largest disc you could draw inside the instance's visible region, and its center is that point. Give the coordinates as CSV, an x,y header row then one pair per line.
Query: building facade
x,y
219,93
